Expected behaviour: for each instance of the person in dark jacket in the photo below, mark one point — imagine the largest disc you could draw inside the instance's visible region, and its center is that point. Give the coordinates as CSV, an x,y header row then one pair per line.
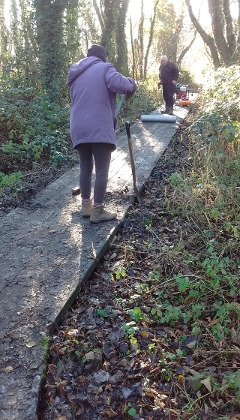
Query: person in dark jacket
x,y
168,75
94,84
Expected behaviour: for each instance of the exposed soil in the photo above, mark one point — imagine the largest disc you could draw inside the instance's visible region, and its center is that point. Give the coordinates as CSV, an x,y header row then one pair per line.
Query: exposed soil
x,y
33,181
111,358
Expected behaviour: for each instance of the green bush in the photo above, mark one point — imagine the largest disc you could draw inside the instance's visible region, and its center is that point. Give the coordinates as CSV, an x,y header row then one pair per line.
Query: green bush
x,y
145,100
12,181
32,128
211,191
187,78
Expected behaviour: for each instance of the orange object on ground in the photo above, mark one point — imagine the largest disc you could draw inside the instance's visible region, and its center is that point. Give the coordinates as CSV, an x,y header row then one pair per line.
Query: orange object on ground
x,y
184,102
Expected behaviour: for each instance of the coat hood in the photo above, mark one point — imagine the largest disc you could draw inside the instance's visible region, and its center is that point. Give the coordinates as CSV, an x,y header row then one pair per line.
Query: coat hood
x,y
76,69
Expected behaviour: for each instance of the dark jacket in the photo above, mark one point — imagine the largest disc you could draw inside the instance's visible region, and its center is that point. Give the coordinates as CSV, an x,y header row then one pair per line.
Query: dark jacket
x,y
168,73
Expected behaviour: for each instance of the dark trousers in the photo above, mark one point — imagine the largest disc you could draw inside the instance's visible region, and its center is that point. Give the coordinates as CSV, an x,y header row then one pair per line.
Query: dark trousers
x,y
168,92
100,154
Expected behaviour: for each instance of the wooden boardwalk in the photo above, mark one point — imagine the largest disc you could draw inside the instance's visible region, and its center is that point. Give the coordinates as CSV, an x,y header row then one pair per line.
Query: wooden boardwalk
x,y
47,249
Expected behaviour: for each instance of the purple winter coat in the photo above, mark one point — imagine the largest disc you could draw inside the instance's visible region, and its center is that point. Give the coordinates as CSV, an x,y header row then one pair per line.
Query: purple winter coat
x,y
93,87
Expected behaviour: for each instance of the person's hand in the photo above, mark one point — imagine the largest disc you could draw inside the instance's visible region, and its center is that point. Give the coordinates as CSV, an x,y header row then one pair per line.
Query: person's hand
x,y
174,82
159,84
128,95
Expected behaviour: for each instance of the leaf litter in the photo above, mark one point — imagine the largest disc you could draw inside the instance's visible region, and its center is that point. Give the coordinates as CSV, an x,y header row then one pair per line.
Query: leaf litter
x,y
146,339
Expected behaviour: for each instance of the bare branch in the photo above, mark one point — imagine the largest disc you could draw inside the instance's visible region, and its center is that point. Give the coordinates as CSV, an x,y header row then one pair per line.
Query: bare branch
x,y
185,50
207,39
99,15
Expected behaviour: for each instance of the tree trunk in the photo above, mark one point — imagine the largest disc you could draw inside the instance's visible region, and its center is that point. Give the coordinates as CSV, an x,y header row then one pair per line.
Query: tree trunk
x,y
150,38
108,39
99,15
134,70
4,40
72,32
140,36
185,50
207,39
238,35
113,35
229,28
218,25
224,47
49,20
122,54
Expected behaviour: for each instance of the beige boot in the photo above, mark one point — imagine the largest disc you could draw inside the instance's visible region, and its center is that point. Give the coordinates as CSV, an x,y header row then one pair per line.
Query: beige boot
x,y
100,215
86,208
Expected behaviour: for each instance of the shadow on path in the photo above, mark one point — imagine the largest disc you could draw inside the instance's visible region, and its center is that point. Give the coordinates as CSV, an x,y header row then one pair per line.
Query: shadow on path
x,y
47,250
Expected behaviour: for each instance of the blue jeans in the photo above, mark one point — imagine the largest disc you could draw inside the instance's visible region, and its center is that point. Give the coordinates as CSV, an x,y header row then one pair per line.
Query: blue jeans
x,y
100,154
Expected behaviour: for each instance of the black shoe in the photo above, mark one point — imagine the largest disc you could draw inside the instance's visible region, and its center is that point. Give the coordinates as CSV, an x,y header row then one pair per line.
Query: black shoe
x,y
166,111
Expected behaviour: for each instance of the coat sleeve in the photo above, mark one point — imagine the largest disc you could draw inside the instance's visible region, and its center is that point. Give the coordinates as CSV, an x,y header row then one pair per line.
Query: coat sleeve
x,y
118,83
175,72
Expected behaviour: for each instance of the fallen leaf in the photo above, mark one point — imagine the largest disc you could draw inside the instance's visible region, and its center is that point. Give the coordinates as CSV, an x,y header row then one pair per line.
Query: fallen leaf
x,y
213,405
114,255
235,417
62,383
149,394
190,370
70,332
206,408
207,383
80,411
109,413
8,369
212,322
80,309
181,379
219,403
174,414
81,379
90,355
51,368
30,344
91,257
144,334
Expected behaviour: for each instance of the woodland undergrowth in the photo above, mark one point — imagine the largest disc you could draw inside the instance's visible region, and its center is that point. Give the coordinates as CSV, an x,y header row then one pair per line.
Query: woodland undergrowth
x,y
155,333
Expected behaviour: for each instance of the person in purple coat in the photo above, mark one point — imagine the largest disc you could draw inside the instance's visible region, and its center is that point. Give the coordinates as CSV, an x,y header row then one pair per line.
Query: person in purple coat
x,y
93,85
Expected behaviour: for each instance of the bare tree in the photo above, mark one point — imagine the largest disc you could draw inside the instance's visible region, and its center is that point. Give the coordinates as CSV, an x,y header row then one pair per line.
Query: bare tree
x,y
141,37
185,50
134,69
4,38
224,41
99,14
121,43
238,36
111,15
151,34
